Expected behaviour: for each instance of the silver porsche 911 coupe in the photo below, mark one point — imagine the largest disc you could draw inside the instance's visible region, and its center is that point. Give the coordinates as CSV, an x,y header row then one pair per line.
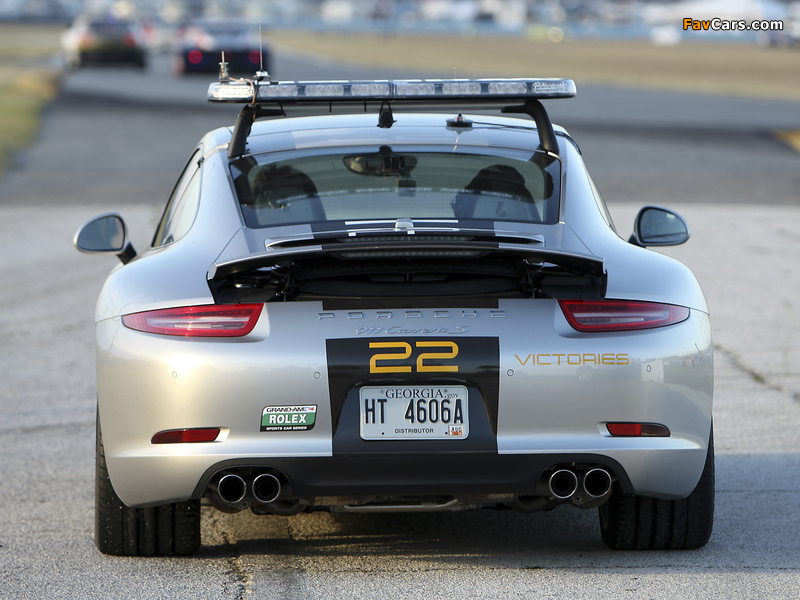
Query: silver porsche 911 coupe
x,y
398,296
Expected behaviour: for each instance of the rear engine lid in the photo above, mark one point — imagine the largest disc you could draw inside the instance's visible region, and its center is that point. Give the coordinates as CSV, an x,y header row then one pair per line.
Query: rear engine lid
x,y
403,258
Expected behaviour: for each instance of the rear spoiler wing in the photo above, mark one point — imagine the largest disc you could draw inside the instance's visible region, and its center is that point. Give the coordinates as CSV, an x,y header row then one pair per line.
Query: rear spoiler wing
x,y
242,254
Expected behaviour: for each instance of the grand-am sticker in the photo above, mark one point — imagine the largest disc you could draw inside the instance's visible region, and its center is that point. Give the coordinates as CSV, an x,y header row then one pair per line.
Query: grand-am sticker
x,y
288,418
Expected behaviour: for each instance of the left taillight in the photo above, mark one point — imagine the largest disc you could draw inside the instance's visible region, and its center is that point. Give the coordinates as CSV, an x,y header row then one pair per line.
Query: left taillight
x,y
620,315
229,320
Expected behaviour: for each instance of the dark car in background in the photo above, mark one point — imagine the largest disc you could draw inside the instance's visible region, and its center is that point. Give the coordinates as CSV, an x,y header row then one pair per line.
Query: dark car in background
x,y
104,40
204,40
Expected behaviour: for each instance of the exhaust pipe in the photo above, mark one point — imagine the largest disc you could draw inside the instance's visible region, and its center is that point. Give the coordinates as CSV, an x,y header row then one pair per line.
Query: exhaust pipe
x,y
563,484
231,488
597,483
227,493
266,488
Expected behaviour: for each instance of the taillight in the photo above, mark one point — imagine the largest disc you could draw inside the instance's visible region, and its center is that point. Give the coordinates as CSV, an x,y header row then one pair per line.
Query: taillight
x,y
226,320
195,57
186,436
620,315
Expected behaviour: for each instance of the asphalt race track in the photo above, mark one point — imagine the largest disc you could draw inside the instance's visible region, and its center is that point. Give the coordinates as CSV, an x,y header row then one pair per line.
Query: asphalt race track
x,y
116,140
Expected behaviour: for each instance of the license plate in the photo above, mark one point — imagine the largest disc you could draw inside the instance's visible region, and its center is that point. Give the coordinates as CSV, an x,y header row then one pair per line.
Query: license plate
x,y
414,412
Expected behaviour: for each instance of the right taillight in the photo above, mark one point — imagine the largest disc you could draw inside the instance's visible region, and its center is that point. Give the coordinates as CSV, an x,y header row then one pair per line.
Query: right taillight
x,y
620,315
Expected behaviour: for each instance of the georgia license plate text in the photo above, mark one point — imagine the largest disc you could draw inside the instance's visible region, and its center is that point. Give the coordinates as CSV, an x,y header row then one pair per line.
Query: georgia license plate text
x,y
414,412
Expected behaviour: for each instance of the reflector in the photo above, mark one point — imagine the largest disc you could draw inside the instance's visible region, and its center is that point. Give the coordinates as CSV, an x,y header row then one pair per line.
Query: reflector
x,y
186,436
638,429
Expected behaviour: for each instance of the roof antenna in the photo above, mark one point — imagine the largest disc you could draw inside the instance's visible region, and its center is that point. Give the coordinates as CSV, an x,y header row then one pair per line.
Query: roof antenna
x,y
261,74
224,76
458,122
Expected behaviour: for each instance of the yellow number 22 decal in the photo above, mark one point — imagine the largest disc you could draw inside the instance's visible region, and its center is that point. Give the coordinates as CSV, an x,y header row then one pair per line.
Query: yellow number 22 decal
x,y
404,352
373,361
423,368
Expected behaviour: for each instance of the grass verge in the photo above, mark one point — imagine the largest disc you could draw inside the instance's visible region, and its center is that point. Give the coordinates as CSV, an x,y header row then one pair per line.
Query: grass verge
x,y
28,83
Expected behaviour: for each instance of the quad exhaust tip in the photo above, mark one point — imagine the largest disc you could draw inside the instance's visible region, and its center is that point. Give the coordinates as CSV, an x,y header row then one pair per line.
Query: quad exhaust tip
x,y
232,493
266,488
227,493
563,484
597,482
231,488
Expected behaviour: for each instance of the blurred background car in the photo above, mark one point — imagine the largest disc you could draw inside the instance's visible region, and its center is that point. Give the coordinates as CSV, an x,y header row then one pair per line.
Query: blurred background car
x,y
104,39
204,40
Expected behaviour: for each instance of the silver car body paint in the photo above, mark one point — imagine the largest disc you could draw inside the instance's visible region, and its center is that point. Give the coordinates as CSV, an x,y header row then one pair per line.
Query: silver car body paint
x,y
556,386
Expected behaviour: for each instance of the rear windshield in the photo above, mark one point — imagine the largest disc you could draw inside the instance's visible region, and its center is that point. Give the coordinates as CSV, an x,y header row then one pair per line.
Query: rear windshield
x,y
390,183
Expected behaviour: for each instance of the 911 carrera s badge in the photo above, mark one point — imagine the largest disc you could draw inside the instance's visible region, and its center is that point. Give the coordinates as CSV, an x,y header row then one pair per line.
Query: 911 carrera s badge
x,y
288,418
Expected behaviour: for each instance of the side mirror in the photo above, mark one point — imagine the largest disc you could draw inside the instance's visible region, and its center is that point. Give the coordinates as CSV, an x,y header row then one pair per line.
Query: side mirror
x,y
106,234
656,226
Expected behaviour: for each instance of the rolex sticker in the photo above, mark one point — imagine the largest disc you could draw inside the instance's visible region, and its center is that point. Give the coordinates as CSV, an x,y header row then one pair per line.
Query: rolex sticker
x,y
288,418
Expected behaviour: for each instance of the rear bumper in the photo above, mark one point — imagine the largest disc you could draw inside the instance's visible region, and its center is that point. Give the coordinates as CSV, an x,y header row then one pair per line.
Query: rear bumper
x,y
537,398
411,475
239,61
670,470
120,55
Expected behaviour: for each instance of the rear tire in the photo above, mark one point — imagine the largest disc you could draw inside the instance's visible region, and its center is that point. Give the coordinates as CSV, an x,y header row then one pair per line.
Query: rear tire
x,y
630,522
167,530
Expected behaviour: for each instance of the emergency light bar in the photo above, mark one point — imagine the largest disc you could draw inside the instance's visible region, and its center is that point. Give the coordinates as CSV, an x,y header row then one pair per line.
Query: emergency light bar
x,y
264,98
397,91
